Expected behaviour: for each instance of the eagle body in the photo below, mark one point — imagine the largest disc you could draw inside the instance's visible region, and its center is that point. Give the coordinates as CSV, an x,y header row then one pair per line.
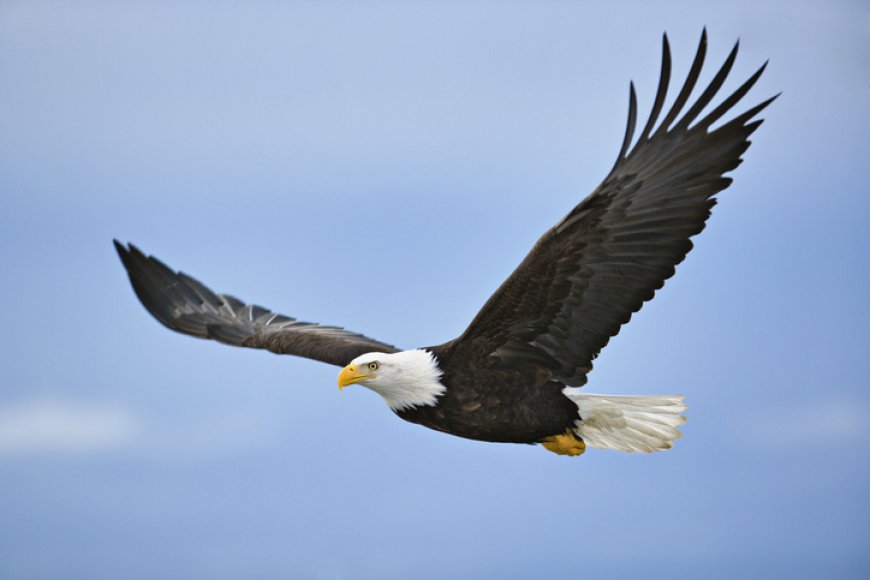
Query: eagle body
x,y
514,375
484,404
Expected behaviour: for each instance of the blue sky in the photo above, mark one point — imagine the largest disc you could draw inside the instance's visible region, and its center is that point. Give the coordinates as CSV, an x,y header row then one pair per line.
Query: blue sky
x,y
270,149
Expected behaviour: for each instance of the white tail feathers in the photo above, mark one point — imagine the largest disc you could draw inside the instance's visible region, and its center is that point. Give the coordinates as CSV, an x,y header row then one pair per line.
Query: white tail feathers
x,y
628,423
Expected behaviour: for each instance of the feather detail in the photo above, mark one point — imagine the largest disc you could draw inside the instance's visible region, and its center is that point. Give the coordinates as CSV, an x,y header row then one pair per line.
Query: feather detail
x,y
629,422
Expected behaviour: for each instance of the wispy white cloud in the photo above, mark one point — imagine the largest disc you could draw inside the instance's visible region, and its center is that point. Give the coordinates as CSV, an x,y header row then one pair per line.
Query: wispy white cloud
x,y
52,426
839,421
49,426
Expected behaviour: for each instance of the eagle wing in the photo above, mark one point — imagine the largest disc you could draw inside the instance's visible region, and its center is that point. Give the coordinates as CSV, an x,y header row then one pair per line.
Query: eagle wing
x,y
184,304
586,276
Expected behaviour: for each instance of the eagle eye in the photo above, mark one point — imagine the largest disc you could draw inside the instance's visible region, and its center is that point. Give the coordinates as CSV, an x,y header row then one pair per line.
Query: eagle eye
x,y
373,366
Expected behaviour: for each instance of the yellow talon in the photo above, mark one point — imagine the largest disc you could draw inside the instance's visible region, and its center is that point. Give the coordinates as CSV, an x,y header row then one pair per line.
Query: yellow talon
x,y
565,444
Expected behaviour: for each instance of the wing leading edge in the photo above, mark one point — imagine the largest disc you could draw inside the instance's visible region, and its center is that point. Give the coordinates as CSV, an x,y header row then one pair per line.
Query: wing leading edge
x,y
185,305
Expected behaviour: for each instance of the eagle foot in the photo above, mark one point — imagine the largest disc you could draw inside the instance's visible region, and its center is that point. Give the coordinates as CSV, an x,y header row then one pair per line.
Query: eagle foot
x,y
565,444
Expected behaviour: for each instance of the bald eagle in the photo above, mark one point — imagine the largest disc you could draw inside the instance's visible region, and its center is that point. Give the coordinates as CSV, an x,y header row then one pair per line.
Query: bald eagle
x,y
514,374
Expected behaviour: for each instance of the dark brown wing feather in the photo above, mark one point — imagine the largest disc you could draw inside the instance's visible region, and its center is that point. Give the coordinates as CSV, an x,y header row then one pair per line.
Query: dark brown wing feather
x,y
585,277
184,304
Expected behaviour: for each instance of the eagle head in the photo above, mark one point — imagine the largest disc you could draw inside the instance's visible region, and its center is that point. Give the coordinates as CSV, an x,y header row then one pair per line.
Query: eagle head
x,y
406,379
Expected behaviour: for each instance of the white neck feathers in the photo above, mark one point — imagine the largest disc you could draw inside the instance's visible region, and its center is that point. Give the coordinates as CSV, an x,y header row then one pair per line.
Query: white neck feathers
x,y
406,379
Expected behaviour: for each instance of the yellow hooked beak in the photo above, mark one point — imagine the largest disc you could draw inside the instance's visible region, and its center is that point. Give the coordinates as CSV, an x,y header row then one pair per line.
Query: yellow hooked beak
x,y
350,375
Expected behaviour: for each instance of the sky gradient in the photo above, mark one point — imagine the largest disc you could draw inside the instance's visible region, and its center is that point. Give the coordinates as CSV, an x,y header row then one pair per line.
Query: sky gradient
x,y
383,166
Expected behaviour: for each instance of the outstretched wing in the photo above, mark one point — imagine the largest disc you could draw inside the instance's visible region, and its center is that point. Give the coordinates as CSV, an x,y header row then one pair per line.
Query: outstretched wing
x,y
585,277
185,305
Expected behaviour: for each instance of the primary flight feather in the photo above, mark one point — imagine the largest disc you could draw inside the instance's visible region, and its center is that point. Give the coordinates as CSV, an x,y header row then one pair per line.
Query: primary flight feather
x,y
513,375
